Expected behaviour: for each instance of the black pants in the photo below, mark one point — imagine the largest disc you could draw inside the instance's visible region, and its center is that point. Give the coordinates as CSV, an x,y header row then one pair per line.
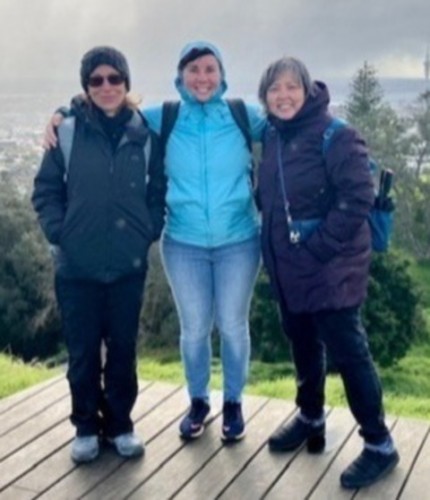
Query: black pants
x,y
343,334
93,313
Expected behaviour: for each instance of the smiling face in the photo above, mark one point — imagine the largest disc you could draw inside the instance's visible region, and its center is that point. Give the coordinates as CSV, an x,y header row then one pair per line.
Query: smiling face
x,y
202,77
110,95
285,96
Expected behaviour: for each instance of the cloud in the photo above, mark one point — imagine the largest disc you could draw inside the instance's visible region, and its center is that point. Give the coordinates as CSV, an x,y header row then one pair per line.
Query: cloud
x,y
46,38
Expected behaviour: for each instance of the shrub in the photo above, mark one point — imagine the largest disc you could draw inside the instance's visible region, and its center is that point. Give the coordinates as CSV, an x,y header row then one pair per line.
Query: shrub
x,y
392,314
29,325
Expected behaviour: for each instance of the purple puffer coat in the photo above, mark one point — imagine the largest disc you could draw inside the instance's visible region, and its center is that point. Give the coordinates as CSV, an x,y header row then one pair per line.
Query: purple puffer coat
x,y
330,269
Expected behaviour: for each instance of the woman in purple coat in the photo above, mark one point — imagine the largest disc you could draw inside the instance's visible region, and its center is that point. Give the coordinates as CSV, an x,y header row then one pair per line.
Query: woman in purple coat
x,y
317,249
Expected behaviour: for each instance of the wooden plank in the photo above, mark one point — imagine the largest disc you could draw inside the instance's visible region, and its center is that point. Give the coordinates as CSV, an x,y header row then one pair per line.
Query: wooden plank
x,y
29,408
217,475
193,457
17,494
160,450
33,453
408,436
418,483
37,462
329,486
260,472
304,473
29,429
30,392
37,441
59,464
32,429
109,472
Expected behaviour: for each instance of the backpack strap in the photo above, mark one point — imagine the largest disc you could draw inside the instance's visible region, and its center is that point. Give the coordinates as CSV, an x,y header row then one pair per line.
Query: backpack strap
x,y
240,114
335,124
147,149
170,111
169,115
66,132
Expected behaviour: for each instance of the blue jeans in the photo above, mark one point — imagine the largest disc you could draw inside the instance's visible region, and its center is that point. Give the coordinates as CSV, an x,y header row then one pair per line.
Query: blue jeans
x,y
213,286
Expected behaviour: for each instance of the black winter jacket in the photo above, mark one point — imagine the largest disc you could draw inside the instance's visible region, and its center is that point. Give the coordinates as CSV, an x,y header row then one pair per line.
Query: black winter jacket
x,y
330,269
104,217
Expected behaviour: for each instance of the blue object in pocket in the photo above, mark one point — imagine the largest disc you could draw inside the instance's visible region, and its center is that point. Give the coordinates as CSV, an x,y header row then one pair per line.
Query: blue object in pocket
x,y
301,230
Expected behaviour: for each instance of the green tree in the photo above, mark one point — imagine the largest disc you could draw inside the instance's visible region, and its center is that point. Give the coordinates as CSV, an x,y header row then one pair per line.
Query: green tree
x,y
420,139
403,145
414,191
384,131
29,325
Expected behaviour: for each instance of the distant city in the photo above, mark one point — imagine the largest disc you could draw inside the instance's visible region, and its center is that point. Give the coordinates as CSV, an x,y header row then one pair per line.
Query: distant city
x,y
26,109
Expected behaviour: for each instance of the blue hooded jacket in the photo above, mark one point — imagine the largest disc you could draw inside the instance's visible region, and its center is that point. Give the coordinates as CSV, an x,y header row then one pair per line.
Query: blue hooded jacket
x,y
209,198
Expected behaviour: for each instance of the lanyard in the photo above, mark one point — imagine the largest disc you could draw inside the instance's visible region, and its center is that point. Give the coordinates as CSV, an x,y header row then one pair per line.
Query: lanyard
x,y
282,181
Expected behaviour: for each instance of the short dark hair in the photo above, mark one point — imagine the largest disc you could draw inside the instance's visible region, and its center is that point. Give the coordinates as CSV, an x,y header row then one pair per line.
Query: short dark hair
x,y
194,54
284,65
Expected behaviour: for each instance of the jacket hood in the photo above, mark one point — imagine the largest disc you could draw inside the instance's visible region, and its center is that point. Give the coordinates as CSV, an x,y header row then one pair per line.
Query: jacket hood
x,y
200,45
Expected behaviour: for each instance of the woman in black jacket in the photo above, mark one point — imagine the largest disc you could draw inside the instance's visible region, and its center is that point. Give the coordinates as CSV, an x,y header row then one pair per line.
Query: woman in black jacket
x,y
317,249
100,206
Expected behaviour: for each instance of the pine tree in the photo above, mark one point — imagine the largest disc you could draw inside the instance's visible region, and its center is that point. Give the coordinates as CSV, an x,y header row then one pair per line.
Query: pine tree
x,y
381,127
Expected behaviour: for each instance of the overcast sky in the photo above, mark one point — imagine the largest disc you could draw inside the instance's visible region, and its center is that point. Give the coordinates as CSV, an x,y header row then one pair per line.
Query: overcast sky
x,y
46,38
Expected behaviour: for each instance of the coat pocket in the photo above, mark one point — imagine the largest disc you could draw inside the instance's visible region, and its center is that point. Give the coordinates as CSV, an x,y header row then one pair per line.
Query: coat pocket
x,y
301,230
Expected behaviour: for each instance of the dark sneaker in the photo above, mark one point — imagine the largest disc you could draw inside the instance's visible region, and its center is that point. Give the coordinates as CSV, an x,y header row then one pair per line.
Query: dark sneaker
x,y
233,426
192,425
85,449
293,435
367,468
127,445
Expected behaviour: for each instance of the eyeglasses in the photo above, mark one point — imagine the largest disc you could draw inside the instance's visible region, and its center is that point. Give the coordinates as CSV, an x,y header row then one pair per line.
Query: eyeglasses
x,y
97,80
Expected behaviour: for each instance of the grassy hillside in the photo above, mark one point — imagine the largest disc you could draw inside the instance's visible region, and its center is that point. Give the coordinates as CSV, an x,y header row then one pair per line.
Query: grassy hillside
x,y
16,375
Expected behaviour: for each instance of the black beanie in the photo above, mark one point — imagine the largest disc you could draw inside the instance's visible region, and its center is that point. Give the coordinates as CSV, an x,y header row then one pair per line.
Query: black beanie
x,y
103,55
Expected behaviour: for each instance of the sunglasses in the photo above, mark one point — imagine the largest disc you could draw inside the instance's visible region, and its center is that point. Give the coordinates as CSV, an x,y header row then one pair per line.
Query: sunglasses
x,y
97,80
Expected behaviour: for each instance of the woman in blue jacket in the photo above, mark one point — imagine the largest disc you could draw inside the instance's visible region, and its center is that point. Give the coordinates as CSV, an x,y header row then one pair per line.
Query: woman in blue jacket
x,y
210,248
317,249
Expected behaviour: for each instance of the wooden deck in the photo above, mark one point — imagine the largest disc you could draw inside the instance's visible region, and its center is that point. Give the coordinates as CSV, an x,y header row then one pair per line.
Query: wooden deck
x,y
35,436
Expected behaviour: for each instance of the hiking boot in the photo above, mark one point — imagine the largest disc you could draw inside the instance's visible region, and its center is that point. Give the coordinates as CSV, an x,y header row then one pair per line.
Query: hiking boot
x,y
85,449
233,426
367,468
127,445
293,435
192,425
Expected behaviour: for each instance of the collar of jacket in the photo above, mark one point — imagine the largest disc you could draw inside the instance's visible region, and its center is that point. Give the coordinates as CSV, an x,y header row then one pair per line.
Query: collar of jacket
x,y
136,130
